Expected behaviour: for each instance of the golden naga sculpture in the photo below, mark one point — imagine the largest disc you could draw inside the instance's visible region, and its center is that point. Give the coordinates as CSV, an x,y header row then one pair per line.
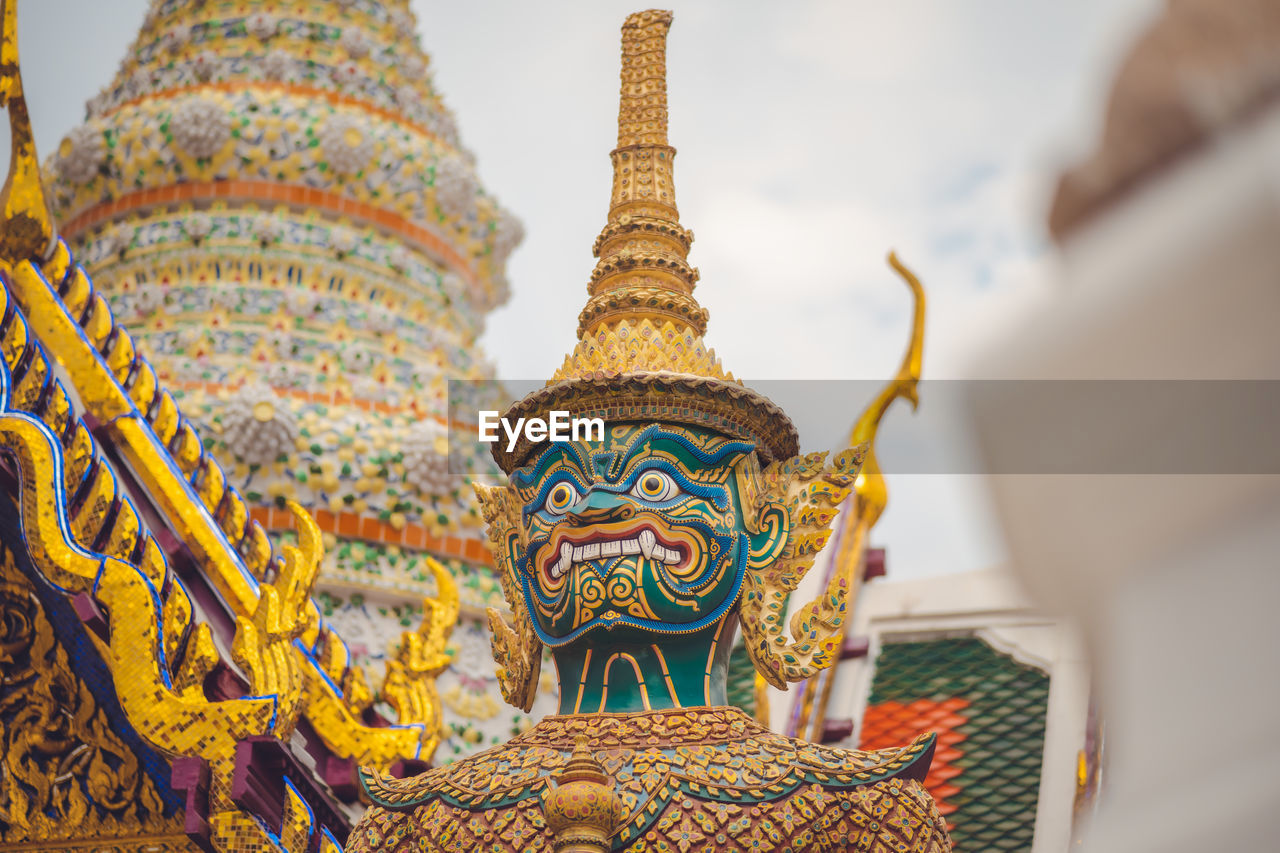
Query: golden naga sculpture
x,y
633,557
129,564
871,495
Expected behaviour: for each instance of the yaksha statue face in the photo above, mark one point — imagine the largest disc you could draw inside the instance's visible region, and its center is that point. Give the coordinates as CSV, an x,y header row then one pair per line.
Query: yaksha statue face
x,y
650,531
633,557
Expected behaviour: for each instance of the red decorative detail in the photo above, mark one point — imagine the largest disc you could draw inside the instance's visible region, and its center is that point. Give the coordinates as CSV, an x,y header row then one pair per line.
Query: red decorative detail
x,y
855,647
875,564
893,723
834,731
190,776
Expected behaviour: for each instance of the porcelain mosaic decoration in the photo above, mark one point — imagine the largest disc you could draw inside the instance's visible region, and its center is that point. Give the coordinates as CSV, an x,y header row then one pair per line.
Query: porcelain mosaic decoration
x,y
171,683
275,198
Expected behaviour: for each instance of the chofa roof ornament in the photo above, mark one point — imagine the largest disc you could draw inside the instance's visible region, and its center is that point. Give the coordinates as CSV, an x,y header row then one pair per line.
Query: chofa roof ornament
x,y
26,227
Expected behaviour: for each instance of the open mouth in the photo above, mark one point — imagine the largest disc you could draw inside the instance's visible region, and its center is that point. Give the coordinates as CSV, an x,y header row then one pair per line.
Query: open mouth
x,y
603,547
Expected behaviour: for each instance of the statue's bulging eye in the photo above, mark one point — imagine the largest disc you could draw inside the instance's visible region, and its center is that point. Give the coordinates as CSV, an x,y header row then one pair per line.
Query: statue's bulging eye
x,y
562,496
655,486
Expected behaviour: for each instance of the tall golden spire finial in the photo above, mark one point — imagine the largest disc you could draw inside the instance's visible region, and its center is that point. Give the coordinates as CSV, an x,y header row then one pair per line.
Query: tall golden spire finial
x,y
643,250
640,353
26,228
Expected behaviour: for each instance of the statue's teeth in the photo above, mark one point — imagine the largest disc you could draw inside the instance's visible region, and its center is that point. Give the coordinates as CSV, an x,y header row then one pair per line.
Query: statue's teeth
x,y
659,553
647,543
630,546
589,552
610,549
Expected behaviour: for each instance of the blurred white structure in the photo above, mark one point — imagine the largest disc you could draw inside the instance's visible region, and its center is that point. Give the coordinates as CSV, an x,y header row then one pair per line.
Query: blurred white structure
x,y
1170,239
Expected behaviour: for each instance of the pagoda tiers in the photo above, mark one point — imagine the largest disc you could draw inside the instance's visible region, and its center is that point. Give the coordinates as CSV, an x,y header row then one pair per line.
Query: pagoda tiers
x,y
274,198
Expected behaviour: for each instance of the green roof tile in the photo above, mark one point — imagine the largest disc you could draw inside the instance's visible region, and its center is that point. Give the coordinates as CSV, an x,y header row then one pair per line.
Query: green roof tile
x,y
1003,732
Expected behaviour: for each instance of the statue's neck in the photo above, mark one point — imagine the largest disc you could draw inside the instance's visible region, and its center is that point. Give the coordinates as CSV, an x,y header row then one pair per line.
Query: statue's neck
x,y
604,675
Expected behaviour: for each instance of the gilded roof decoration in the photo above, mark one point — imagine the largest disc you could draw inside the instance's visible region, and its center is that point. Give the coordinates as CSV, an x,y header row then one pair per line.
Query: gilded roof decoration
x,y
134,527
70,774
275,198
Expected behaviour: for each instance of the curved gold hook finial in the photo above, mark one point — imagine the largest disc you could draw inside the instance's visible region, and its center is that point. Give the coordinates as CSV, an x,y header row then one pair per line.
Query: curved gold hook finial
x,y
872,496
26,226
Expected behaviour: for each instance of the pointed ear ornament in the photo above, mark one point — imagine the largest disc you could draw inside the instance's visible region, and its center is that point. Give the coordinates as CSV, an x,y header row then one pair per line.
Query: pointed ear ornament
x,y
516,648
803,494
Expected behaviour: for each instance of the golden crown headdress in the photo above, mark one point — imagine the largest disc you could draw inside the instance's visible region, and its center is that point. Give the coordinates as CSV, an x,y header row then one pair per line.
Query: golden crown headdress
x,y
640,354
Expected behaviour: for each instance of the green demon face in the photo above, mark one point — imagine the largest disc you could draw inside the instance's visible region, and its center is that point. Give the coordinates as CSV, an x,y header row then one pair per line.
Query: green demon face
x,y
646,532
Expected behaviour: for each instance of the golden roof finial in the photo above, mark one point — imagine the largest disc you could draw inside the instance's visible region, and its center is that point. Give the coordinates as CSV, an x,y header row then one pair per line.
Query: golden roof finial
x,y
26,227
643,250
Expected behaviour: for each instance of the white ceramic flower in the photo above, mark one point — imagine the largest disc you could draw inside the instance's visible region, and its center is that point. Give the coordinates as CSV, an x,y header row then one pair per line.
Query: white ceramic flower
x,y
425,375
286,373
346,144
355,42
190,335
225,296
356,359
262,25
501,293
347,76
452,286
138,83
200,126
302,303
412,65
426,458
440,122
112,241
147,299
455,185
380,319
98,104
257,424
281,342
507,234
403,23
368,388
189,370
278,65
198,226
204,64
267,228
408,97
173,39
343,240
82,154
399,258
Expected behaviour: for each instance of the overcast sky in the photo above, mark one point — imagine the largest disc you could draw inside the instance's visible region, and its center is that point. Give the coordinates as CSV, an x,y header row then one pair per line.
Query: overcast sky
x,y
813,136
